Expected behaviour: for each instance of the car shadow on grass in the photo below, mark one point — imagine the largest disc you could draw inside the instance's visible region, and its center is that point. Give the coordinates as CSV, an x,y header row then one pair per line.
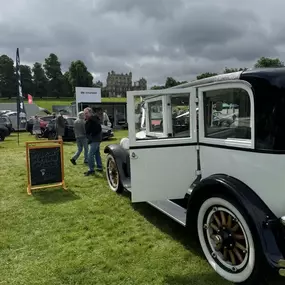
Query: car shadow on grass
x,y
167,225
55,196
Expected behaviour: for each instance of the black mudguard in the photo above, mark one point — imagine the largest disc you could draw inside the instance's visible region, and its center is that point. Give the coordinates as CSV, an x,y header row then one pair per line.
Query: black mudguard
x,y
261,216
122,159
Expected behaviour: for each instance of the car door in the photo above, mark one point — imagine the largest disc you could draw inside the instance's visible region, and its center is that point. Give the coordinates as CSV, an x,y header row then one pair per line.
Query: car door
x,y
70,128
163,159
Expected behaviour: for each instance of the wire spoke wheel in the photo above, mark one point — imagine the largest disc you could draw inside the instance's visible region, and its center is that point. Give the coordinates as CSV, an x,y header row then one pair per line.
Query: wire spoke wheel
x,y
226,239
113,175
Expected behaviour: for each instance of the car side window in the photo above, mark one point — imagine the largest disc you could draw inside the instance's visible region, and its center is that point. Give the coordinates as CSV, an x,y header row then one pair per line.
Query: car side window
x,y
155,116
227,114
180,109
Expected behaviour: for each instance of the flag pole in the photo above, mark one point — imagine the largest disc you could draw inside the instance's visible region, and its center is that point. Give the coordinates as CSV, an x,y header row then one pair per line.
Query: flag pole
x,y
18,95
18,119
21,112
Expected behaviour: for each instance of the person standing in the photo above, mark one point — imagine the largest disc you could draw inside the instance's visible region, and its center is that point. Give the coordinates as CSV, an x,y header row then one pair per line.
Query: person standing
x,y
102,115
105,117
94,135
81,139
60,125
36,127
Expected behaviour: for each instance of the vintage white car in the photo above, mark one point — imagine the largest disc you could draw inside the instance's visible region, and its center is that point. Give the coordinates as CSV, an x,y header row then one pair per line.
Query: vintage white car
x,y
224,182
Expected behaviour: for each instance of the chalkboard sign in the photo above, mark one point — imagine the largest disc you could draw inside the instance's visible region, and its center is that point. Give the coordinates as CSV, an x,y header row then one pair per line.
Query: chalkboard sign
x,y
44,164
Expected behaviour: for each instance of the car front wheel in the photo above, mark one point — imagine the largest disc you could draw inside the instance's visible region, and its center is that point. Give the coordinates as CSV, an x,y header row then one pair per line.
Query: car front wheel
x,y
228,241
113,175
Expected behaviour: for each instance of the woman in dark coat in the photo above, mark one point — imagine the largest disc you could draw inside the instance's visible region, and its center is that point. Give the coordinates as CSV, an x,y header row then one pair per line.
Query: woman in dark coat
x,y
60,126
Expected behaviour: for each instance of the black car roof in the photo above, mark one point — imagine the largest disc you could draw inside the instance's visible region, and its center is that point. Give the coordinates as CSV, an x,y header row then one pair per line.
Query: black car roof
x,y
267,71
273,77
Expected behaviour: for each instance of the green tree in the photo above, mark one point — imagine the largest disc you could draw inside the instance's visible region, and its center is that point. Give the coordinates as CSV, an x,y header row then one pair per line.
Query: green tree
x,y
79,76
230,70
157,87
98,84
171,82
27,80
206,75
67,87
8,81
54,75
268,62
40,81
104,92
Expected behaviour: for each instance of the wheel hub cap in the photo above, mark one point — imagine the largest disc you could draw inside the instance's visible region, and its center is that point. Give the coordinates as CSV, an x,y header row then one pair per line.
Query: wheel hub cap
x,y
226,238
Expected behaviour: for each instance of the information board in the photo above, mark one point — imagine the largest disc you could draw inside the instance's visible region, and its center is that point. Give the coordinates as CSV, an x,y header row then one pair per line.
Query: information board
x,y
44,164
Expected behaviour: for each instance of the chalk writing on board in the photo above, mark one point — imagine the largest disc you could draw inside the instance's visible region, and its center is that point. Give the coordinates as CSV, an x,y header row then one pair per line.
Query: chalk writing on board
x,y
46,159
45,165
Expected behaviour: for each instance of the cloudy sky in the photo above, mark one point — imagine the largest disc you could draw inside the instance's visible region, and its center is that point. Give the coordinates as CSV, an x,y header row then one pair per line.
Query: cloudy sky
x,y
152,38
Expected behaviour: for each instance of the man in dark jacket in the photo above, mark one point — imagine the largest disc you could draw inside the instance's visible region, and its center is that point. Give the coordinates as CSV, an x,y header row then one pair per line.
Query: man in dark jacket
x,y
94,136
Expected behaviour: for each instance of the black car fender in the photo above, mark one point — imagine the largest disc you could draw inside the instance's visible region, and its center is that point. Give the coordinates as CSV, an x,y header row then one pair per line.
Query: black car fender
x,y
122,159
258,212
4,131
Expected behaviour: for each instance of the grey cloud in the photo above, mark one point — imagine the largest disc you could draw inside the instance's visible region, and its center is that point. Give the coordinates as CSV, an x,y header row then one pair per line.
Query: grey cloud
x,y
198,28
69,35
151,38
12,35
158,9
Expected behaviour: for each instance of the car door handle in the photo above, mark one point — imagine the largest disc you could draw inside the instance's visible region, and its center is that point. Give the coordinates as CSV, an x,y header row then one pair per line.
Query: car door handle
x,y
134,156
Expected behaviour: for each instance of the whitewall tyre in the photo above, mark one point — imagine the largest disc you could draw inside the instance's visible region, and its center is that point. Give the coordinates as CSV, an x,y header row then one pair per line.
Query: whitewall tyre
x,y
227,241
113,176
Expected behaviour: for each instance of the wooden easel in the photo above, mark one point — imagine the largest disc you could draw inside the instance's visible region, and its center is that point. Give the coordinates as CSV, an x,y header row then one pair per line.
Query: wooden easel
x,y
44,145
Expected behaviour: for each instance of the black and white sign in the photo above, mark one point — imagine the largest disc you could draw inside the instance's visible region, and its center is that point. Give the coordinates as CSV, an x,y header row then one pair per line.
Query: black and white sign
x,y
88,95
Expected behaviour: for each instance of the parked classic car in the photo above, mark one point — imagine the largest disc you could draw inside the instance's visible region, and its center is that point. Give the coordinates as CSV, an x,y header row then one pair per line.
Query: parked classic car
x,y
223,178
50,131
4,132
5,121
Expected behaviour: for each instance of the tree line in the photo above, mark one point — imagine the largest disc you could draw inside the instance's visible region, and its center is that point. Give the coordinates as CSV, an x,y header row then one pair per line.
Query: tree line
x,y
261,63
48,80
44,80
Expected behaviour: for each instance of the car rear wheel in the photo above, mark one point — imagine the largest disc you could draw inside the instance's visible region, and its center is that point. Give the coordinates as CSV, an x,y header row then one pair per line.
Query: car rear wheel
x,y
113,175
52,136
228,241
2,137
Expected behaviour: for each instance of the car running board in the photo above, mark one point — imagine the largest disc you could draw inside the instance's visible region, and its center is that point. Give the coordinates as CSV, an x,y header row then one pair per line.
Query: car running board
x,y
127,184
171,209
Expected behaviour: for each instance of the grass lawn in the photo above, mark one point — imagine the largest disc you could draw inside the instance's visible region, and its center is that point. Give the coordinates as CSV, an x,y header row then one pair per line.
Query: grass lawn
x,y
88,234
48,103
